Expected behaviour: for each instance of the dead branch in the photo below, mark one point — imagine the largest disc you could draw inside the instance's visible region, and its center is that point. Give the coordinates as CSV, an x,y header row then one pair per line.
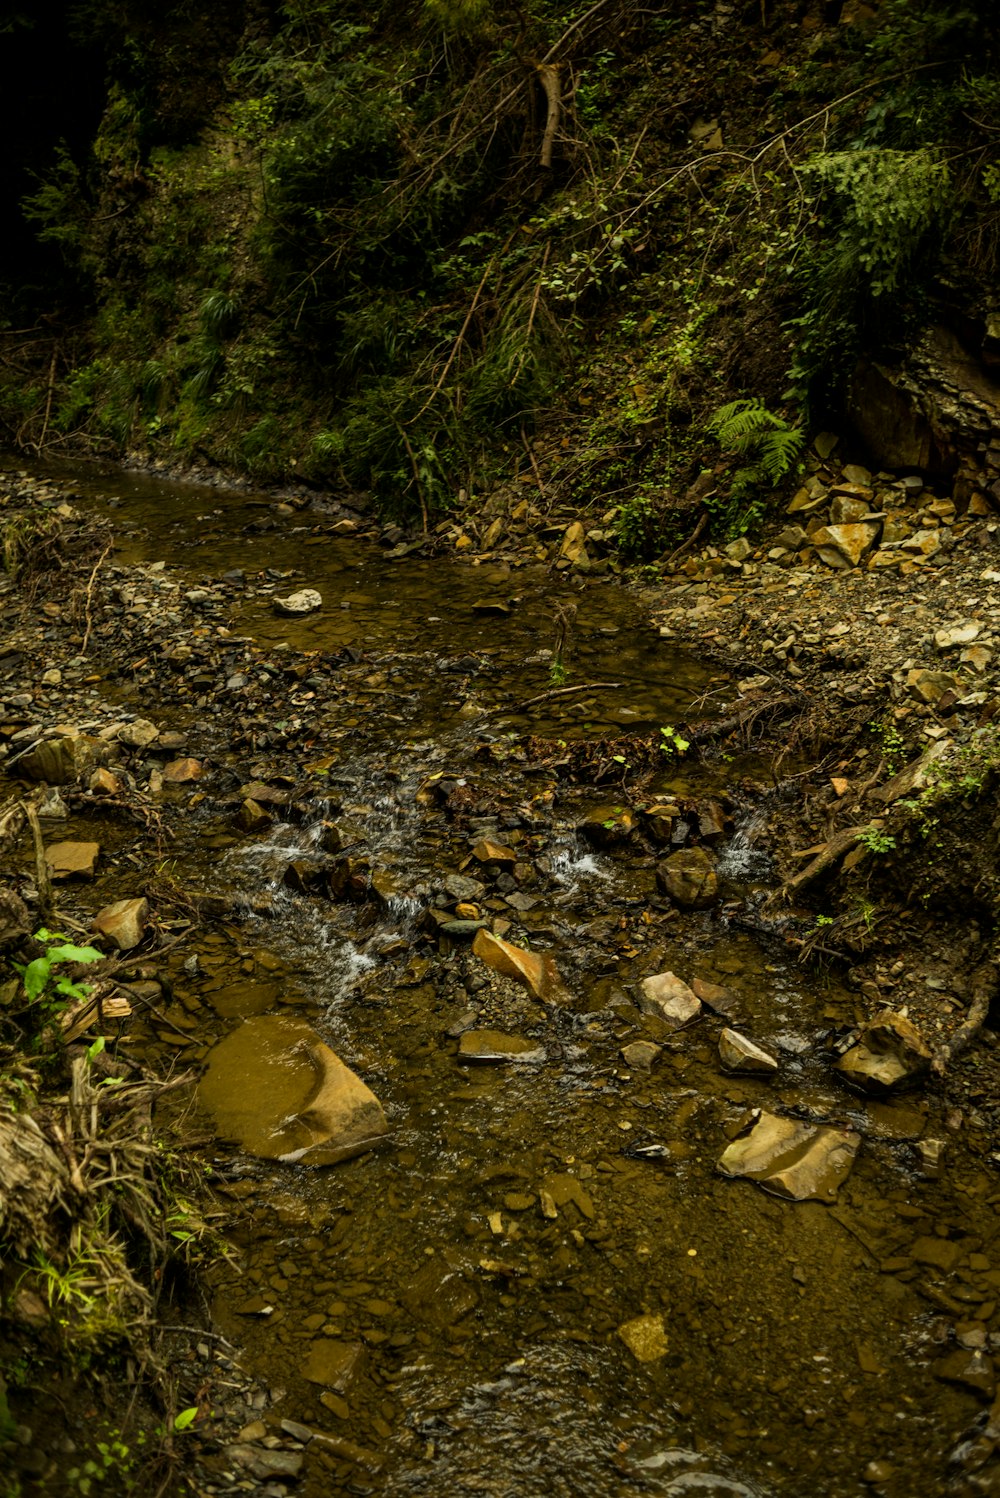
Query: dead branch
x,y
832,853
89,598
982,996
548,75
43,876
587,686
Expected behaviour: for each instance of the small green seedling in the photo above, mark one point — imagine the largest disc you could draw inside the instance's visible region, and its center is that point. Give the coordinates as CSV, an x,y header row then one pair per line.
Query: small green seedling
x,y
671,741
44,983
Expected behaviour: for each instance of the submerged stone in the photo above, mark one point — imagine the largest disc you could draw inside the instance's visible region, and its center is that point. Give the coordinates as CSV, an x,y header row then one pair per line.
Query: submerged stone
x,y
305,601
890,1052
333,1363
645,1337
276,1087
494,1046
535,970
668,997
72,860
689,878
739,1054
798,1160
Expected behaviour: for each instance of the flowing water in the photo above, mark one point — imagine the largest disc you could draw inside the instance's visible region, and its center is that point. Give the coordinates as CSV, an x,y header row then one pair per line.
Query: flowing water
x,y
445,1310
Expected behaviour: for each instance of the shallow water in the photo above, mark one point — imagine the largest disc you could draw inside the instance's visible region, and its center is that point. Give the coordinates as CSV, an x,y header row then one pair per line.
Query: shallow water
x,y
472,1274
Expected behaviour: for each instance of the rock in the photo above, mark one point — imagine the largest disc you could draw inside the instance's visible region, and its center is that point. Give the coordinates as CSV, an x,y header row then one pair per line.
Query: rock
x,y
305,601
536,971
889,1052
608,826
720,1000
564,1190
333,1363
139,735
14,917
57,761
263,1464
275,1086
252,817
660,820
668,997
741,1055
689,878
931,686
182,771
793,1159
493,1046
923,543
971,1369
487,851
640,1054
844,545
855,474
845,510
976,656
53,807
104,783
645,1337
123,923
574,544
957,635
72,860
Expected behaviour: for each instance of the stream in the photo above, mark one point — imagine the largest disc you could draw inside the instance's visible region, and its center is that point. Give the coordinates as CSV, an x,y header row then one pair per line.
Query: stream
x,y
446,1310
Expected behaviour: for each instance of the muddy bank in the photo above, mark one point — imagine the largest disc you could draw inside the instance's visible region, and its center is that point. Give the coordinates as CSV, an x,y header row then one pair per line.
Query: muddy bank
x,y
550,1274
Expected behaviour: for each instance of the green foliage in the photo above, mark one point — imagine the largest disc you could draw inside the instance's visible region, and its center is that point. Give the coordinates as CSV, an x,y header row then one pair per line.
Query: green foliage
x,y
47,989
671,742
881,216
770,449
58,206
876,841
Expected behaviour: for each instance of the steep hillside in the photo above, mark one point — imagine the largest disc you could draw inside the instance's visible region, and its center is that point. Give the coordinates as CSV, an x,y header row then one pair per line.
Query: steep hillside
x,y
415,249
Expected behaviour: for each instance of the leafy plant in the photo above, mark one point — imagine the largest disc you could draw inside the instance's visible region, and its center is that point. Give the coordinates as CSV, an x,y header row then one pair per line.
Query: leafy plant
x,y
769,448
876,841
44,985
671,742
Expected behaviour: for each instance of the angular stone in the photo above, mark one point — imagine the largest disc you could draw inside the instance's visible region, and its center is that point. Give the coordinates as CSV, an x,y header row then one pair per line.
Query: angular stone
x,y
943,1254
739,1054
487,851
640,1054
57,761
846,510
923,543
564,1190
252,817
971,1369
333,1363
668,997
720,1000
493,1046
123,923
793,1159
275,1086
930,686
574,544
139,735
72,860
889,1053
264,1464
660,820
181,771
608,826
645,1337
976,656
956,635
104,783
535,970
845,545
305,601
855,474
689,878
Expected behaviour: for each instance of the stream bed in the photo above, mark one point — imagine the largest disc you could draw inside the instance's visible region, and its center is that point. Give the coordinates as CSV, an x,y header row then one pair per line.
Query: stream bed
x,y
450,1313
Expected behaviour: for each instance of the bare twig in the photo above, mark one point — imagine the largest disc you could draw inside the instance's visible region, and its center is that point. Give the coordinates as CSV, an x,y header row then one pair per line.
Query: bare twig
x,y
587,686
43,877
90,595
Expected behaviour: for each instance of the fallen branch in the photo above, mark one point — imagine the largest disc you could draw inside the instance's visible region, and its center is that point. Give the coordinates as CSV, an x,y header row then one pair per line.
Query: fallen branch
x,y
89,598
982,997
699,732
548,75
832,853
587,686
43,876
702,522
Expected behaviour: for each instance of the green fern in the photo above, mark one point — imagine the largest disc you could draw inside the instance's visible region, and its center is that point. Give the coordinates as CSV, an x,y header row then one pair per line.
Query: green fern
x,y
748,429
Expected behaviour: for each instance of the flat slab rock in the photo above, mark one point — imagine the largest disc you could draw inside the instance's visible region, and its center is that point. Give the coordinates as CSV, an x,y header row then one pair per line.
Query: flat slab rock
x,y
668,997
273,1085
797,1160
305,601
484,1046
72,860
536,971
